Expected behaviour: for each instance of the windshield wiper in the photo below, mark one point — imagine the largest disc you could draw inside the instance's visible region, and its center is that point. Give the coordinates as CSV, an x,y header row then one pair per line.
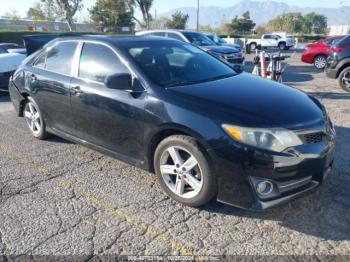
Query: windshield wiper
x,y
184,83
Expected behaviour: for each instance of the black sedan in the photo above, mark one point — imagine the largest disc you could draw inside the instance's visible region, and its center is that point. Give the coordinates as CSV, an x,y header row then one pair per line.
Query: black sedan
x,y
170,108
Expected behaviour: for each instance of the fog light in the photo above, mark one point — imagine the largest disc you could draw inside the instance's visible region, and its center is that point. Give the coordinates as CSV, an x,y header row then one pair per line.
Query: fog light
x,y
264,188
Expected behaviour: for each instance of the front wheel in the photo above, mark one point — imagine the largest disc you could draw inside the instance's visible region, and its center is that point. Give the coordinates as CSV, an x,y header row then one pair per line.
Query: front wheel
x,y
344,79
183,171
34,119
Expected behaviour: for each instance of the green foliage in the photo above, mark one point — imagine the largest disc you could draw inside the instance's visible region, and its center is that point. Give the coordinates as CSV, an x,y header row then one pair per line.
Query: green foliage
x,y
145,7
296,23
241,25
45,10
178,21
111,15
13,17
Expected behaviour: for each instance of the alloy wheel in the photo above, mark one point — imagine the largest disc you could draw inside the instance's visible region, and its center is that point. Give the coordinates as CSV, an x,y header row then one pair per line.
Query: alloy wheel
x,y
33,118
320,62
346,79
181,172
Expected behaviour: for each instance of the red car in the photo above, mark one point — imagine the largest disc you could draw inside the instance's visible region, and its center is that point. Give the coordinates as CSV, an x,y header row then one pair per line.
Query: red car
x,y
317,53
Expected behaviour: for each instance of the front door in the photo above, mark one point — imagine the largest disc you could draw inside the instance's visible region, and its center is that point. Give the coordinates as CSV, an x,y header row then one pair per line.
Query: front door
x,y
106,117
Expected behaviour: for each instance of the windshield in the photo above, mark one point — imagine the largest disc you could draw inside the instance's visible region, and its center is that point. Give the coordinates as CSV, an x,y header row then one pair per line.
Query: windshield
x,y
199,39
169,63
217,39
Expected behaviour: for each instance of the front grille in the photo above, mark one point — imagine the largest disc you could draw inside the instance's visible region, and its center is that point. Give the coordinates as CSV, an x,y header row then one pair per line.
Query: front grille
x,y
313,138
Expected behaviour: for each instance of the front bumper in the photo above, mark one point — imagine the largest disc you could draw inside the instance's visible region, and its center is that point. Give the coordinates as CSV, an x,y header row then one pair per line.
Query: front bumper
x,y
293,174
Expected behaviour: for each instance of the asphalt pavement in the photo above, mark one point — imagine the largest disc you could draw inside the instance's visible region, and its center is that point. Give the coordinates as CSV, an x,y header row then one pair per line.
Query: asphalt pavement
x,y
62,199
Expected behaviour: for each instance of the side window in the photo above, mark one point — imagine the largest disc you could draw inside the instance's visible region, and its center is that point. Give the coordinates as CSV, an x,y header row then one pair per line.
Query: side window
x,y
175,36
40,62
98,61
59,58
2,50
267,37
158,34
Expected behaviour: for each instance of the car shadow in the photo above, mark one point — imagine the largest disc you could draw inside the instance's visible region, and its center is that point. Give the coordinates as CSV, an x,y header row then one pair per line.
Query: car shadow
x,y
330,95
323,213
298,73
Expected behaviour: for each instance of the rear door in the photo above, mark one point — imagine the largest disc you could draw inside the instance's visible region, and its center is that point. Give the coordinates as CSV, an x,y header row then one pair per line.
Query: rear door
x,y
106,117
50,84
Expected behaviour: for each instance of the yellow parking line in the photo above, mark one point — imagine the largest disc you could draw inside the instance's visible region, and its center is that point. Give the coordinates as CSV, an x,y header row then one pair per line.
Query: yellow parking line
x,y
108,208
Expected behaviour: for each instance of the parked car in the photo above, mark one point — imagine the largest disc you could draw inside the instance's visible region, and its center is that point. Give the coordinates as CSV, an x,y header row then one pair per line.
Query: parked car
x,y
219,41
318,52
11,48
271,41
171,108
8,64
231,55
338,63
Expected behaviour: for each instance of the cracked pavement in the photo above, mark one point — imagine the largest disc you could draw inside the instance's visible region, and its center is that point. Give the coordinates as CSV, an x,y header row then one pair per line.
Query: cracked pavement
x,y
59,198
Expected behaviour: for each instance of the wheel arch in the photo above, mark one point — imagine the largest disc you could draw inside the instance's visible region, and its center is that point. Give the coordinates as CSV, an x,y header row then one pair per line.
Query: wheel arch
x,y
170,130
345,63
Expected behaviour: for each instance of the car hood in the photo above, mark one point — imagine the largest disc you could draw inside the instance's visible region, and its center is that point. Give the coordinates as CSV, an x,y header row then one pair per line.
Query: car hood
x,y
220,49
252,101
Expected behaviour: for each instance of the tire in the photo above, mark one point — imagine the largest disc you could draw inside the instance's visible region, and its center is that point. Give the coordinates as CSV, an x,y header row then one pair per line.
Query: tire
x,y
282,46
34,119
194,186
344,79
253,46
320,62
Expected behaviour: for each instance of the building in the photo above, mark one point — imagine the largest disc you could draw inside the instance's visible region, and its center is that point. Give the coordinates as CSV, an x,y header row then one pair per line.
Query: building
x,y
339,29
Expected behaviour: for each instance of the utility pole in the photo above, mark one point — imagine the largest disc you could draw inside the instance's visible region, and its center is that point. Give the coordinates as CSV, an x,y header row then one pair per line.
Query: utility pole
x,y
197,15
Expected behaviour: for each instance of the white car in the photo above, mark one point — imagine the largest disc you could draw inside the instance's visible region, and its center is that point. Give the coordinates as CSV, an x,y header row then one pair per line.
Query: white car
x,y
271,41
8,63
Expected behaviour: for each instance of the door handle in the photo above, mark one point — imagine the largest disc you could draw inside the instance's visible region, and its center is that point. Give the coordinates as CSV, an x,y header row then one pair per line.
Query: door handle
x,y
77,90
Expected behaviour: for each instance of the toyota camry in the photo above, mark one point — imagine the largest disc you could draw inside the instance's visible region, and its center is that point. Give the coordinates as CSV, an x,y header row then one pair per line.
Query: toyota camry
x,y
170,108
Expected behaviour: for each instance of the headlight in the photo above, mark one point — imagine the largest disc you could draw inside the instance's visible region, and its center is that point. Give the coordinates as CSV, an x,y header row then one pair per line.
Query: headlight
x,y
270,139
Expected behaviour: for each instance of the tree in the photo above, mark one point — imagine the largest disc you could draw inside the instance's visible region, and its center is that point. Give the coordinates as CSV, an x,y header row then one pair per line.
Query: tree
x,y
69,8
145,7
159,23
111,15
242,25
13,17
178,21
296,23
314,23
45,10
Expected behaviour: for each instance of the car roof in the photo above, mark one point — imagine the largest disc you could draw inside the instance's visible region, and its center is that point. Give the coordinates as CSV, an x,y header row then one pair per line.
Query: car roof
x,y
114,40
1,44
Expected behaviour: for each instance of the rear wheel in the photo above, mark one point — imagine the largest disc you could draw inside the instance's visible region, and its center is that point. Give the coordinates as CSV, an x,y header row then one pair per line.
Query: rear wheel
x,y
282,46
344,79
320,62
253,46
183,171
34,119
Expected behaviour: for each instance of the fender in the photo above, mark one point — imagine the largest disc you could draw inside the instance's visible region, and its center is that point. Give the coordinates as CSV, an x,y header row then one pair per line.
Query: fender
x,y
342,64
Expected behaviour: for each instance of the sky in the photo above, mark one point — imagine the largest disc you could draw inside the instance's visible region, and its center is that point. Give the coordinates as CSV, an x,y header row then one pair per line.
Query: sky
x,y
164,5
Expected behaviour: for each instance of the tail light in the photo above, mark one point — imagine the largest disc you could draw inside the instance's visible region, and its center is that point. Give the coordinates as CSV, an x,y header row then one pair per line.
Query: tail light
x,y
337,49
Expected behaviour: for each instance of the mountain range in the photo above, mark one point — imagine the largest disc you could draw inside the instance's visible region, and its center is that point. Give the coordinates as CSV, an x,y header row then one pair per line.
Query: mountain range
x,y
260,11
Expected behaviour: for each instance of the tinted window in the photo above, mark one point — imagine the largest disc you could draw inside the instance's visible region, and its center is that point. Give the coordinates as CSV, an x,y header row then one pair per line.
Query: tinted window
x,y
170,63
267,37
98,61
158,34
2,50
175,36
198,39
40,62
344,41
59,58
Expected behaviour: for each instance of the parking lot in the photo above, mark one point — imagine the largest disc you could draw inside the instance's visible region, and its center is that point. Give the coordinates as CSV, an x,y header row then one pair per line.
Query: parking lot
x,y
60,198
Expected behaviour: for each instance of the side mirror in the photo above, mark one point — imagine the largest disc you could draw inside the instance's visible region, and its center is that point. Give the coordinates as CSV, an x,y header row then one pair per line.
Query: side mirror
x,y
119,81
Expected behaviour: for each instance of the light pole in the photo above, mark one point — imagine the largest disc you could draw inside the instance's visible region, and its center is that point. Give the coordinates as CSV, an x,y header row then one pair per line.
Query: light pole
x,y
197,15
